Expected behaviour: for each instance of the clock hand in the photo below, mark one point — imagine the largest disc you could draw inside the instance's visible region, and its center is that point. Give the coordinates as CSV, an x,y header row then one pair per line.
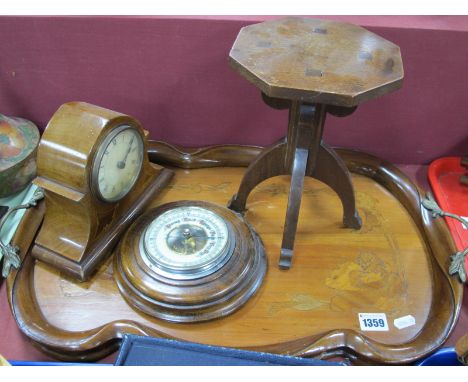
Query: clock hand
x,y
121,164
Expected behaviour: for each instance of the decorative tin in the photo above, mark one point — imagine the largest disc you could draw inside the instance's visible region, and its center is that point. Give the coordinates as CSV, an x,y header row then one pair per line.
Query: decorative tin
x,y
19,139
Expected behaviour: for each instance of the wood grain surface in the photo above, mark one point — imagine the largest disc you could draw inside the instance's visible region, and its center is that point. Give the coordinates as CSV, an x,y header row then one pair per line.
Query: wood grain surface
x,y
395,265
317,61
338,271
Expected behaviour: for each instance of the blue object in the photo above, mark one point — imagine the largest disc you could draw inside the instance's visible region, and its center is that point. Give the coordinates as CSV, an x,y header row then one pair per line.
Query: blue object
x,y
442,357
148,351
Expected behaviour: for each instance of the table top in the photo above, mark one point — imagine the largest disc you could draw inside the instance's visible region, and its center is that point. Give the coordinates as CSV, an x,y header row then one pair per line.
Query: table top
x,y
317,61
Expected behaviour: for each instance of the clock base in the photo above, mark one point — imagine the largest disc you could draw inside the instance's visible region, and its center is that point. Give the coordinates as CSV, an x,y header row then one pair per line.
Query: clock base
x,y
103,245
208,297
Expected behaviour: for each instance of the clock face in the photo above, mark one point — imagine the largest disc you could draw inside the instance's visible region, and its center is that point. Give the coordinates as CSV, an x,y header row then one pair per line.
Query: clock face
x,y
186,243
117,163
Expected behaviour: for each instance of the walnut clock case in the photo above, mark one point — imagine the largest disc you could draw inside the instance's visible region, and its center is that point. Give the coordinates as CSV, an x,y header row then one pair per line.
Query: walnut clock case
x,y
93,167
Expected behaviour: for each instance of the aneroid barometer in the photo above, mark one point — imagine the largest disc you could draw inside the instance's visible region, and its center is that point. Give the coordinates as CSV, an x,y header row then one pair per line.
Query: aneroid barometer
x,y
96,176
189,261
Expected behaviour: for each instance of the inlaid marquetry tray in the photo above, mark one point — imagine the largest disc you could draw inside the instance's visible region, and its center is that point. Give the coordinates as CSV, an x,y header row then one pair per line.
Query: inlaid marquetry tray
x,y
396,264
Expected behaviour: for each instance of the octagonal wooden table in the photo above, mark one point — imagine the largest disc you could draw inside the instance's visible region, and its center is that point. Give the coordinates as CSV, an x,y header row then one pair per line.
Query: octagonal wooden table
x,y
311,67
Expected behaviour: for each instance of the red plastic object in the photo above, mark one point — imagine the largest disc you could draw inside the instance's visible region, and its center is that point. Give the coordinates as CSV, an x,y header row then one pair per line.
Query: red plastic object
x,y
451,195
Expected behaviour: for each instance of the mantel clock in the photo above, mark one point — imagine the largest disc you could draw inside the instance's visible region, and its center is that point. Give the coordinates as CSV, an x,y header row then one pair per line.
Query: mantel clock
x,y
93,167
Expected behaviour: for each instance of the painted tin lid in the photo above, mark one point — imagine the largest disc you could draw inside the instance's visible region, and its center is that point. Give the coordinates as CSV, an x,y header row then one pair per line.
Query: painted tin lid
x,y
18,139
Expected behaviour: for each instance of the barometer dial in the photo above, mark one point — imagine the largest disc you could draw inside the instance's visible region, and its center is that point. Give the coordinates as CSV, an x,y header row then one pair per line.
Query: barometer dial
x,y
187,242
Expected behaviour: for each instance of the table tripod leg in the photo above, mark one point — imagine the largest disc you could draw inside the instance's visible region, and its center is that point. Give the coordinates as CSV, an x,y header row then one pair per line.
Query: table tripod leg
x,y
304,136
294,205
269,163
331,170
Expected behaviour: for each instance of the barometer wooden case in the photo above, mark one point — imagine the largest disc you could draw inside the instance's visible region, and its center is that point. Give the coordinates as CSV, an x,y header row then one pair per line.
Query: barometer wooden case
x,y
93,167
189,261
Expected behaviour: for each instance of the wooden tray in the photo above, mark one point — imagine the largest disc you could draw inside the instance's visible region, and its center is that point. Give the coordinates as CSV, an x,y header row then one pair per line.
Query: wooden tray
x,y
396,264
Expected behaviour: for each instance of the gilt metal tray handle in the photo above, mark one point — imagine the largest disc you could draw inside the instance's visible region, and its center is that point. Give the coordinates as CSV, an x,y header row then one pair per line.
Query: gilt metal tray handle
x,y
10,252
